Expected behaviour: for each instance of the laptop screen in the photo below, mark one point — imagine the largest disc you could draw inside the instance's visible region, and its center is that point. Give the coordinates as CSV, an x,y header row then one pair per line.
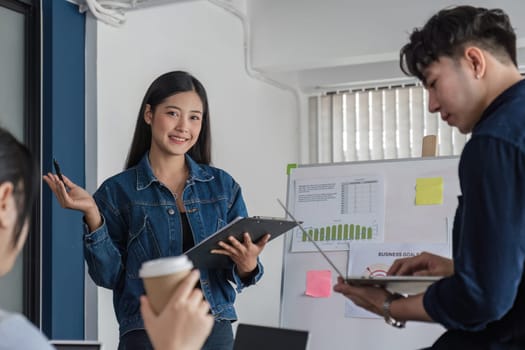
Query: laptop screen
x,y
252,337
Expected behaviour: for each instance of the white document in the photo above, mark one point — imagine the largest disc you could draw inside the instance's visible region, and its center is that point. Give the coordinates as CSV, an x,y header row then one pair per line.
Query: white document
x,y
336,211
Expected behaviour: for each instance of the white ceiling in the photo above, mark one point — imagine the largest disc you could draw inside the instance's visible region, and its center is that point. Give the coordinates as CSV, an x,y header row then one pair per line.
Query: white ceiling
x,y
320,45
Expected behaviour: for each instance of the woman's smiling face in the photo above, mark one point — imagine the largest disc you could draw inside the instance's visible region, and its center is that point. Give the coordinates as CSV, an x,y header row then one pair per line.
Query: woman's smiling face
x,y
175,123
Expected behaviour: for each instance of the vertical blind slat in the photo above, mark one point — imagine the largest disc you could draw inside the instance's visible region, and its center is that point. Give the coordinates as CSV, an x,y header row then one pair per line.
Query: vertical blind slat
x,y
325,126
364,126
313,116
351,153
376,125
389,103
337,128
418,121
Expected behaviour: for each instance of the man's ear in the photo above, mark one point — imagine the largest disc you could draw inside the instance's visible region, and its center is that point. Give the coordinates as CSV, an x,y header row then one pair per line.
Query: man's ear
x,y
6,202
475,58
148,114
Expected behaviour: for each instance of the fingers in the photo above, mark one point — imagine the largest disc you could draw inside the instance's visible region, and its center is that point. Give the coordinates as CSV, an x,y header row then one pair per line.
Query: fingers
x,y
68,182
244,255
247,243
196,300
204,307
54,182
50,180
423,264
186,286
57,187
394,268
234,248
145,309
405,266
221,252
247,238
227,249
345,289
234,242
423,273
262,242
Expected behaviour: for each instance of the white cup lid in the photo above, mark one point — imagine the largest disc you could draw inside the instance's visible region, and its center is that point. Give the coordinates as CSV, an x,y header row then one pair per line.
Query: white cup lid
x,y
165,266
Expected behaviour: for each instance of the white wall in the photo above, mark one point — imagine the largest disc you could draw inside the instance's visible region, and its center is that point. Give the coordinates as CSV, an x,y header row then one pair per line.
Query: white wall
x,y
253,124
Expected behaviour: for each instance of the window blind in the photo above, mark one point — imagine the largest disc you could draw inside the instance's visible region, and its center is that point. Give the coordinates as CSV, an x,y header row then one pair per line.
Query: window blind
x,y
374,124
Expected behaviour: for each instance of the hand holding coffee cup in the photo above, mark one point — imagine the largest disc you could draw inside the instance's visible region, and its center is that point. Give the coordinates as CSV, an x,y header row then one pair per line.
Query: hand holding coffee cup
x,y
184,323
162,276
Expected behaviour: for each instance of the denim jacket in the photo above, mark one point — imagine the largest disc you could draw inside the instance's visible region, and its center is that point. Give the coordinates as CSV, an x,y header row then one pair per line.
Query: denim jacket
x,y
141,222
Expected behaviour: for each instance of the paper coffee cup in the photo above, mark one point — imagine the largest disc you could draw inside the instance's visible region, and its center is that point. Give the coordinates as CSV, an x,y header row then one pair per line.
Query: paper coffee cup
x,y
161,277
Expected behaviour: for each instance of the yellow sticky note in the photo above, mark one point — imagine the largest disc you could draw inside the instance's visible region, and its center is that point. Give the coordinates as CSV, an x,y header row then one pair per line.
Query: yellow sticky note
x,y
429,191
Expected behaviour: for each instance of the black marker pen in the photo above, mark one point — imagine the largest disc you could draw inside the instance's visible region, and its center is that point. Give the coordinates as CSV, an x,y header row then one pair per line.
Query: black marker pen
x,y
59,173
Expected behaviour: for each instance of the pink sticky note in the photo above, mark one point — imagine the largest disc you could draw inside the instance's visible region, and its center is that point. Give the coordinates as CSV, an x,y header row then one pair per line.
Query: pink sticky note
x,y
318,283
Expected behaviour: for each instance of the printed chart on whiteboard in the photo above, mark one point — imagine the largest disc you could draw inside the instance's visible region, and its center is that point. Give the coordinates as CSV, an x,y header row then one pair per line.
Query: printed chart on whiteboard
x,y
336,211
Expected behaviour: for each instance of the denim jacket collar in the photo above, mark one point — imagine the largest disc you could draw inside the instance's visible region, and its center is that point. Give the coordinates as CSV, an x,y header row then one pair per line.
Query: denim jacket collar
x,y
145,176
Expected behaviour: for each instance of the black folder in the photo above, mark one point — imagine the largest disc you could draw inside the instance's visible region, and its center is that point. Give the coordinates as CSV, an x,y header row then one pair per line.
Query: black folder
x,y
256,226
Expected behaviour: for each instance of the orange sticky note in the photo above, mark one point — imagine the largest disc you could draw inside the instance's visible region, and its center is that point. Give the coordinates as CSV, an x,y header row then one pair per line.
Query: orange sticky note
x,y
318,283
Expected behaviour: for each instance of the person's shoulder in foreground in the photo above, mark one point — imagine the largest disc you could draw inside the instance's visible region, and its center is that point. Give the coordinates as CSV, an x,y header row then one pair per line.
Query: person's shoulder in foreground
x,y
16,332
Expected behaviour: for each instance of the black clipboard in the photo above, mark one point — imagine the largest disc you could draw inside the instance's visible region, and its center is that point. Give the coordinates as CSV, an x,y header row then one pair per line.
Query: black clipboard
x,y
257,227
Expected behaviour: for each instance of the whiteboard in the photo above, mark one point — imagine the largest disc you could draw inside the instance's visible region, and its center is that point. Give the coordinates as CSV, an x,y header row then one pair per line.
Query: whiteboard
x,y
404,222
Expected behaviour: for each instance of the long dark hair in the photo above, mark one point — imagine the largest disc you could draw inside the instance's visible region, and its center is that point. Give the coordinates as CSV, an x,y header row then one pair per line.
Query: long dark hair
x,y
447,32
18,167
167,85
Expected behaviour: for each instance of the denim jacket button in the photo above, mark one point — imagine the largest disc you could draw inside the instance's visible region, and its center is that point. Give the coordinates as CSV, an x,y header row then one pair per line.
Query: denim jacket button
x,y
171,211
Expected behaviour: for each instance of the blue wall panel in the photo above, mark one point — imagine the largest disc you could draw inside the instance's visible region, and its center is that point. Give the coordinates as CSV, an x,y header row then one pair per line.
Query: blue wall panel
x,y
63,138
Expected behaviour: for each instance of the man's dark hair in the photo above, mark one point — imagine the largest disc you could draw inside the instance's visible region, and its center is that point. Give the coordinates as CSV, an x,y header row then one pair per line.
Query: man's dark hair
x,y
449,31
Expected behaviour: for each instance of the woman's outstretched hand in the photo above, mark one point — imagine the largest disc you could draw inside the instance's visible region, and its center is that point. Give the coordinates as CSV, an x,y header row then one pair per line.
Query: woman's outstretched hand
x,y
74,197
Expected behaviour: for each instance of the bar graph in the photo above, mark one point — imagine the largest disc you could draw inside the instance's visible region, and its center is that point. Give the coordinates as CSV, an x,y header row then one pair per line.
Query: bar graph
x,y
339,232
345,209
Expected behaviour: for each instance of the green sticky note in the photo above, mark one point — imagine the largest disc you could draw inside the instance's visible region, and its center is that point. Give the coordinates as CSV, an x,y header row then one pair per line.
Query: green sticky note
x,y
429,191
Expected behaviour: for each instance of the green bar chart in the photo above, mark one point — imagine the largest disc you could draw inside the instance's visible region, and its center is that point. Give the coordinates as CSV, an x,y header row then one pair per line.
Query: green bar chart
x,y
339,232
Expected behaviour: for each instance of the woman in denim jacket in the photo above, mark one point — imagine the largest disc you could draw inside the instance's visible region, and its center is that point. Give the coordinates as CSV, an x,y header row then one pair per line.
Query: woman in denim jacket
x,y
168,199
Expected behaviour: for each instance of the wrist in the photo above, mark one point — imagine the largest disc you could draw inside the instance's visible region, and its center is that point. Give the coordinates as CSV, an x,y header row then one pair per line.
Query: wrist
x,y
389,319
246,269
93,218
245,274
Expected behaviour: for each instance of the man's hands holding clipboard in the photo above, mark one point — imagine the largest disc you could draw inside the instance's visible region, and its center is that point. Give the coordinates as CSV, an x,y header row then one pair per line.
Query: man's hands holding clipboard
x,y
377,294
